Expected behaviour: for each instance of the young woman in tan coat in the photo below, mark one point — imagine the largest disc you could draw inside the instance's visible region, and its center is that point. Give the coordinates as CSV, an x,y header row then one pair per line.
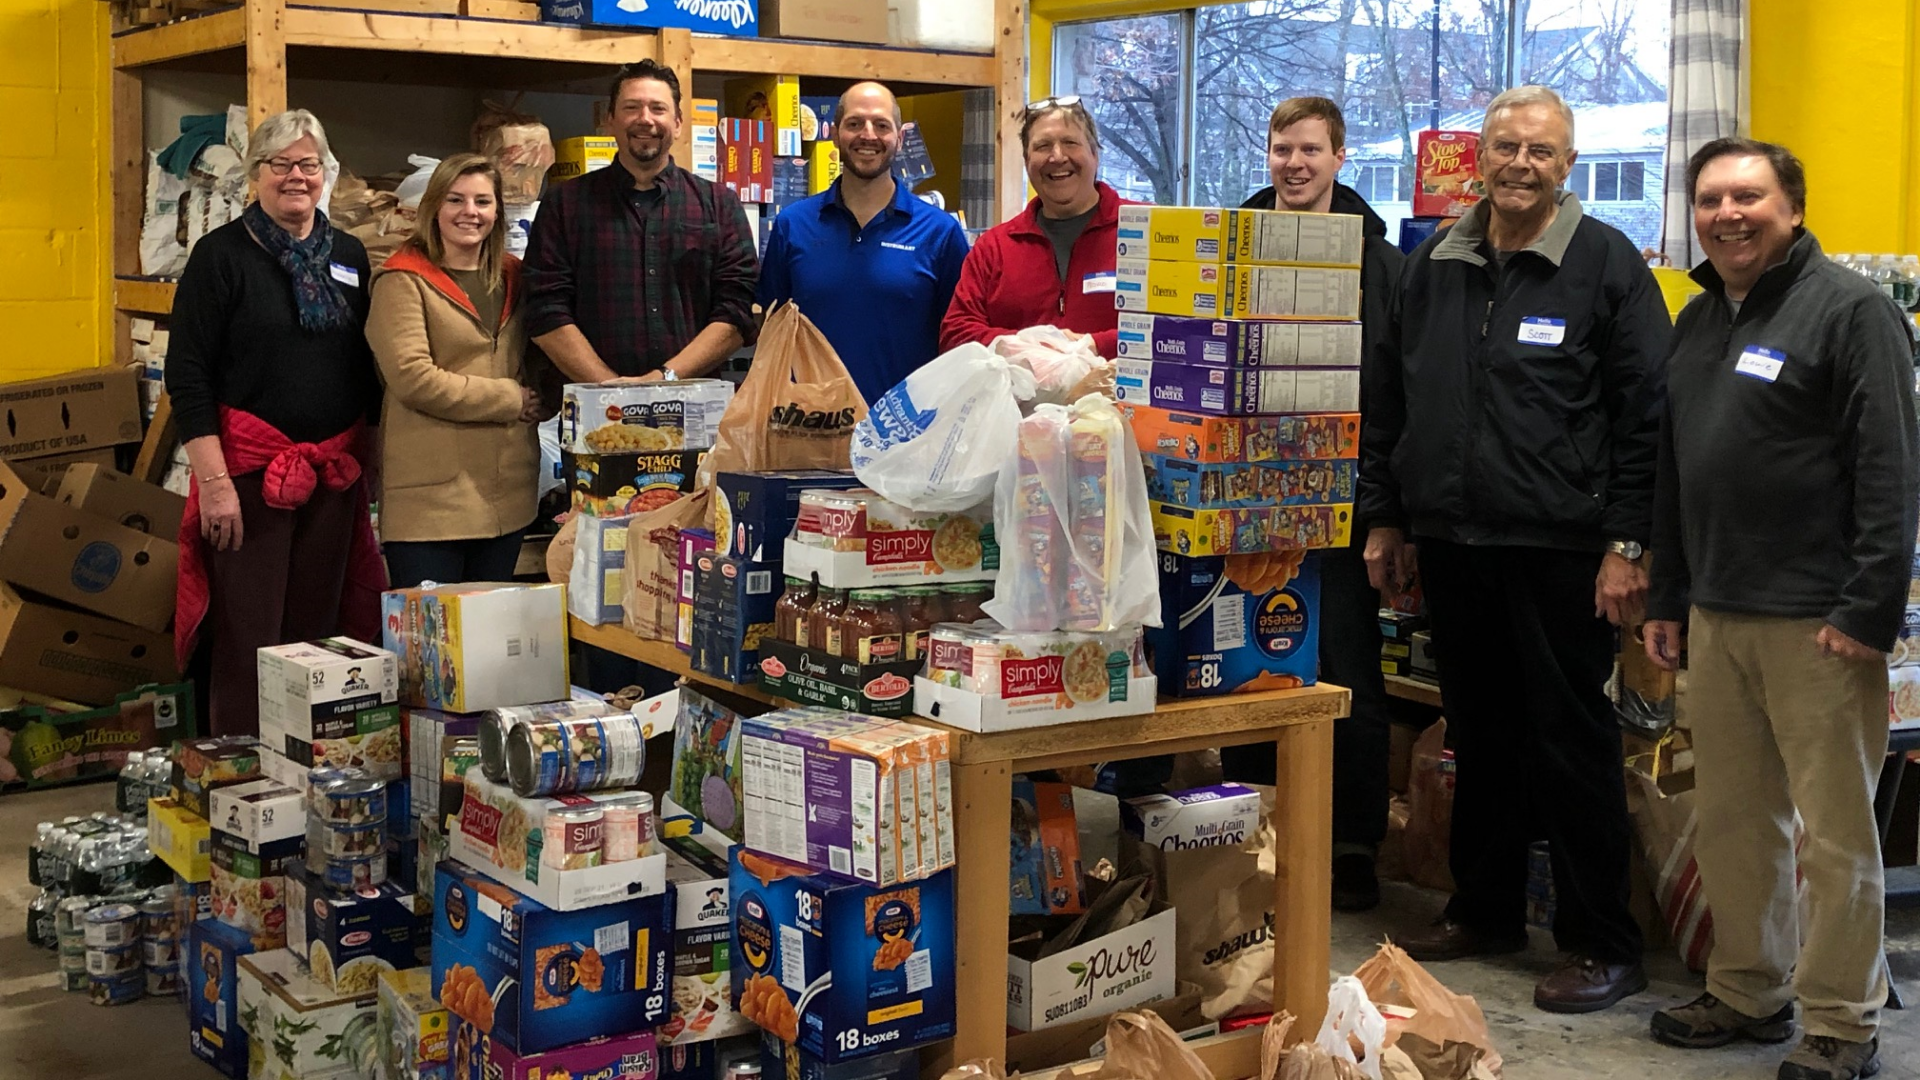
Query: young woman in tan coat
x,y
461,458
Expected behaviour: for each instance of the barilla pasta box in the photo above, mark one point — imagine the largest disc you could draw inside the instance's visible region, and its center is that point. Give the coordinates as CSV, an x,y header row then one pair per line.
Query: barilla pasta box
x,y
475,1056
1221,815
1237,343
212,964
469,648
889,952
784,1061
1211,235
1230,439
531,979
702,939
1274,483
332,702
1446,175
1236,623
348,939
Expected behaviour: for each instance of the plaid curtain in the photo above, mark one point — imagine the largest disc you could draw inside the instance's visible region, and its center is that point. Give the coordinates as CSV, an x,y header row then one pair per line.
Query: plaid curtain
x,y
1703,99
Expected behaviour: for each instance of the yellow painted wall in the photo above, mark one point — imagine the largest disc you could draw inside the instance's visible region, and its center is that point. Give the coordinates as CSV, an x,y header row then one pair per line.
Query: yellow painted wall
x,y
54,218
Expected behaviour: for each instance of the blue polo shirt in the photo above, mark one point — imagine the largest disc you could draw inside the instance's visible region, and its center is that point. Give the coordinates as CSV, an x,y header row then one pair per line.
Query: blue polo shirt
x,y
877,293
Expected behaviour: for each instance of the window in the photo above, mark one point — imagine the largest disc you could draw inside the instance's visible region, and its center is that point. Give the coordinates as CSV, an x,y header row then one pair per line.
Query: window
x,y
1376,183
1608,182
1130,75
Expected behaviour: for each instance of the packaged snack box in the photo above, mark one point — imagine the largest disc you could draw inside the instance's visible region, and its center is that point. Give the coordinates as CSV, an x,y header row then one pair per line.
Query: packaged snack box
x,y
332,702
259,811
249,884
682,414
702,946
476,1056
1231,487
1046,878
1446,173
414,1027
1237,343
298,1027
201,765
1236,392
1164,287
1215,440
179,838
1212,235
1235,623
469,648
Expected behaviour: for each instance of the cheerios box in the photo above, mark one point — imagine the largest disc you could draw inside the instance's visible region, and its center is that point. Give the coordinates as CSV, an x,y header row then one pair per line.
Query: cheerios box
x,y
477,1056
349,938
1235,623
334,701
889,952
531,979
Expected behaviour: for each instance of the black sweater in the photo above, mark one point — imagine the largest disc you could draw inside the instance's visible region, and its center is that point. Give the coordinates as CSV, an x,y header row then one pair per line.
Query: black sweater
x,y
237,341
1789,490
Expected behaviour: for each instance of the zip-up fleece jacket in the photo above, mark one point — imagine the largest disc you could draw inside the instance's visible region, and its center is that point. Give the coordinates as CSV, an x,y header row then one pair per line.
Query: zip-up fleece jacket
x,y
1010,281
1788,471
1524,409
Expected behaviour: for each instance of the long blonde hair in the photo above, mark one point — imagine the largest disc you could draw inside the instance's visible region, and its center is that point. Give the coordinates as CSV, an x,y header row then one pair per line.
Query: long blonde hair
x,y
426,226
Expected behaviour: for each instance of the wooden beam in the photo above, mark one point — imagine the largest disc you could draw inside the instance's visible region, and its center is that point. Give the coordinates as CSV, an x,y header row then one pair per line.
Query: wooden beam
x,y
1009,100
266,60
129,165
211,32
144,295
729,55
1302,872
676,52
1417,690
156,450
983,816
335,29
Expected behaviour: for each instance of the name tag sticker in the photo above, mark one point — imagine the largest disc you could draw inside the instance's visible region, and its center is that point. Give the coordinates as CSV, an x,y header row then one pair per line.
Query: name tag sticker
x,y
1538,331
1758,362
345,275
1099,282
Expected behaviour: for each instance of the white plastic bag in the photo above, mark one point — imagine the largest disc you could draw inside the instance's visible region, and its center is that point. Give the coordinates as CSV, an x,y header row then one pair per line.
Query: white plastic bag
x,y
1066,367
937,441
551,476
1071,515
415,185
1351,1015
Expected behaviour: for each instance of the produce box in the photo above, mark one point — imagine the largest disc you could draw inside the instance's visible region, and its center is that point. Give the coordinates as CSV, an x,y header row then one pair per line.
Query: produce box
x,y
1218,440
75,656
1237,343
1238,532
706,763
1116,971
82,559
1237,291
1220,815
1232,487
179,838
300,1028
781,1060
41,746
332,702
1212,235
1219,637
692,543
597,586
1046,872
812,677
259,812
857,540
91,408
621,1057
200,765
581,155
702,947
754,513
1237,392
732,614
349,940
604,970
501,834
1446,173
142,507
603,418
250,884
469,648
212,963
414,1028
890,952
616,484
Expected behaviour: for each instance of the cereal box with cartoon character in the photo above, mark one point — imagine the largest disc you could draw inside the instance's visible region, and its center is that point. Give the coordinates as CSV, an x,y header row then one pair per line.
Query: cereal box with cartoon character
x,y
1219,440
1234,486
470,648
1185,531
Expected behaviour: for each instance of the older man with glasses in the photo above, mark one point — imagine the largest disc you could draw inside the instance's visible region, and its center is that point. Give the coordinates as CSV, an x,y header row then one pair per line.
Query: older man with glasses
x,y
1513,445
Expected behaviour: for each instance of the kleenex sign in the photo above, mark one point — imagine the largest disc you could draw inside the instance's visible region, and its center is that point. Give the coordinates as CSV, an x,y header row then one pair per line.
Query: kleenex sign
x,y
737,18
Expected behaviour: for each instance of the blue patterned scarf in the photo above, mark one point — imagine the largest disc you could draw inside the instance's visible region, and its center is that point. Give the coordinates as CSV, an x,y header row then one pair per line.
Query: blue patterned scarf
x,y
321,303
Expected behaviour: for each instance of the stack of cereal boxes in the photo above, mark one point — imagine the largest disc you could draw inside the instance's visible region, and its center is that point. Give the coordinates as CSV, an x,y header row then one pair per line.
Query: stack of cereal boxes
x,y
1239,365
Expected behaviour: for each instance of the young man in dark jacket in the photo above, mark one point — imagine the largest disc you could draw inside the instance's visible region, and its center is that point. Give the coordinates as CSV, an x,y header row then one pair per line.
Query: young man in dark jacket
x,y
1306,146
1515,441
1784,525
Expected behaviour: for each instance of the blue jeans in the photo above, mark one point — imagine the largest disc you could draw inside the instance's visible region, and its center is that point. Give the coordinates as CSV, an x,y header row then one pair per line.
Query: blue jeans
x,y
452,562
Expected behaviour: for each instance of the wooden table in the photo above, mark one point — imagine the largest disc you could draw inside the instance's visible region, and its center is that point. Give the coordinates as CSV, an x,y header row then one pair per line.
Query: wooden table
x,y
1417,690
1298,722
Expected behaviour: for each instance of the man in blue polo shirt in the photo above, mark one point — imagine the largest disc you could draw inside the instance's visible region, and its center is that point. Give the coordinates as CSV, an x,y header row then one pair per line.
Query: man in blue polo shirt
x,y
866,260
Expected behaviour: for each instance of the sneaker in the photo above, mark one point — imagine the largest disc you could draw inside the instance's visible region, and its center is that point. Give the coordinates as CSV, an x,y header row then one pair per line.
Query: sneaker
x,y
1820,1057
1355,887
1582,985
1707,1022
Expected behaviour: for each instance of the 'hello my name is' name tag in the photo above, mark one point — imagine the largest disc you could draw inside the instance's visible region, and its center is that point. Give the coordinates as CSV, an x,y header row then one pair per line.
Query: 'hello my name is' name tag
x,y
1538,331
1758,362
345,275
1098,282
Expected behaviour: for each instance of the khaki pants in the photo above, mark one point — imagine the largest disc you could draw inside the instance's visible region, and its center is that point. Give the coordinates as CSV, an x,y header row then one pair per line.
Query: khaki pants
x,y
1778,727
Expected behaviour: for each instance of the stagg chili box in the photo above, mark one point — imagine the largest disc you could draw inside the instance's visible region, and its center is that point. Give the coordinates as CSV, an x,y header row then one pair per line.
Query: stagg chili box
x,y
212,964
1216,637
81,410
754,512
890,952
334,701
569,975
1237,343
618,484
83,559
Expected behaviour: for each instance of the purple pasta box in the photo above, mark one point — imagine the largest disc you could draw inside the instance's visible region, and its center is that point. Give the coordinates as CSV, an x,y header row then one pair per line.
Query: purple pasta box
x,y
623,1057
1236,486
821,792
1237,343
1237,391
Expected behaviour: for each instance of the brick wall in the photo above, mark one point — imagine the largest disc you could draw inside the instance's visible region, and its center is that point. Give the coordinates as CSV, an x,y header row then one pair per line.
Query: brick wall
x,y
53,187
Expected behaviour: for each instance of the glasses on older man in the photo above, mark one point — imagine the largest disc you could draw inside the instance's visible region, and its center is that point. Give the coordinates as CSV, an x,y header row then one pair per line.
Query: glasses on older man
x,y
1065,101
1501,153
307,166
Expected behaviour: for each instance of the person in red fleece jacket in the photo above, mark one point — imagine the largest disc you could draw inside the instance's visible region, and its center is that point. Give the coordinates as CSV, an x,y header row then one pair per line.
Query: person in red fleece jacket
x,y
1053,263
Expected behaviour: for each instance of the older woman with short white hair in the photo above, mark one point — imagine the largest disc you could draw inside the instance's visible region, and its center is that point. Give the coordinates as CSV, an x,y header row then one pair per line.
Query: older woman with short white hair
x,y
273,389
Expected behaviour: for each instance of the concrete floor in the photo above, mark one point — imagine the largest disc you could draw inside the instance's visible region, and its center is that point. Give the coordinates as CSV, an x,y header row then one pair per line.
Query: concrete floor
x,y
47,1033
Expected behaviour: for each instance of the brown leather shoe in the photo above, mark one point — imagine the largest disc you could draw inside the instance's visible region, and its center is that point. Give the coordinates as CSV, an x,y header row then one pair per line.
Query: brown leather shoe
x,y
1583,985
1449,940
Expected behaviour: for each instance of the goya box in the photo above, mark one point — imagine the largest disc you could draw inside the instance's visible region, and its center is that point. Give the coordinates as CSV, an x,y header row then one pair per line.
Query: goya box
x,y
618,484
1236,623
1237,391
1446,173
755,511
1216,487
1219,440
476,1056
213,957
784,1061
332,702
702,947
348,939
1204,234
414,1028
469,648
1164,287
532,979
1248,532
890,952
604,418
1237,343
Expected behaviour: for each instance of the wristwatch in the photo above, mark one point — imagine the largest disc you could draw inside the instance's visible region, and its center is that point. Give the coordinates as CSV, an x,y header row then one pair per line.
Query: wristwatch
x,y
1630,550
668,374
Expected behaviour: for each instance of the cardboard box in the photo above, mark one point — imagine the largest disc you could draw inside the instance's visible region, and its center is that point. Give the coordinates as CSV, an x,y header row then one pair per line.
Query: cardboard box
x,y
414,1028
600,418
1446,173
86,409
500,835
83,559
862,21
1211,235
180,839
597,586
1217,638
773,99
120,498
212,964
50,746
621,484
1231,487
302,1028
581,155
620,1057
200,765
75,656
1237,291
792,928
760,146
1237,343
780,1060
735,18
1116,971
1243,532
702,944
259,812
753,513
1220,815
1046,873
469,648
732,614
332,702
351,940
1237,392
1079,1040
823,166
1225,440
492,934
812,677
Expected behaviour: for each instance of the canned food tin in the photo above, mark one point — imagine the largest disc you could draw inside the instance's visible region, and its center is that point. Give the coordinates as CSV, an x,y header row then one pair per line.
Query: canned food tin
x,y
573,837
104,962
156,915
538,760
743,1070
577,754
69,916
112,926
630,828
495,724
355,873
117,989
159,952
75,981
335,841
349,800
163,981
72,960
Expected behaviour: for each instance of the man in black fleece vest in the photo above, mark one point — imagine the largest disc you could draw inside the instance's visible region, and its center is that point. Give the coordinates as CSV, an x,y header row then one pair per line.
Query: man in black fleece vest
x,y
1784,517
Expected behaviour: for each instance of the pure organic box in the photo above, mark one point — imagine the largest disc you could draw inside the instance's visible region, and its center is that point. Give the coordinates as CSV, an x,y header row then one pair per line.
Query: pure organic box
x,y
1229,439
51,747
1277,483
80,410
83,559
349,940
414,1028
1245,532
563,976
890,952
618,484
1237,291
754,512
620,1057
1211,235
75,656
581,155
212,961
1237,391
1237,343
1116,971
332,702
702,947
1220,815
1218,637
469,648
297,1026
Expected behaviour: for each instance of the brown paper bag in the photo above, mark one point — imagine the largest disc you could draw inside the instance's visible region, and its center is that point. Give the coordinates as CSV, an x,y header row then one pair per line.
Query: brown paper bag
x,y
560,551
1425,846
1439,1017
795,409
653,565
1140,1046
1222,898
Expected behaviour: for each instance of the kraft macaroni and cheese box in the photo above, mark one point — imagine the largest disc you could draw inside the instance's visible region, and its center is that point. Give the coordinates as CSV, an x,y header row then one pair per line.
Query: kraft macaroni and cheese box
x,y
785,1061
1237,343
1164,287
569,975
1217,638
1237,391
1211,235
476,1056
212,963
1046,877
890,952
1277,483
1228,439
1221,815
1249,532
